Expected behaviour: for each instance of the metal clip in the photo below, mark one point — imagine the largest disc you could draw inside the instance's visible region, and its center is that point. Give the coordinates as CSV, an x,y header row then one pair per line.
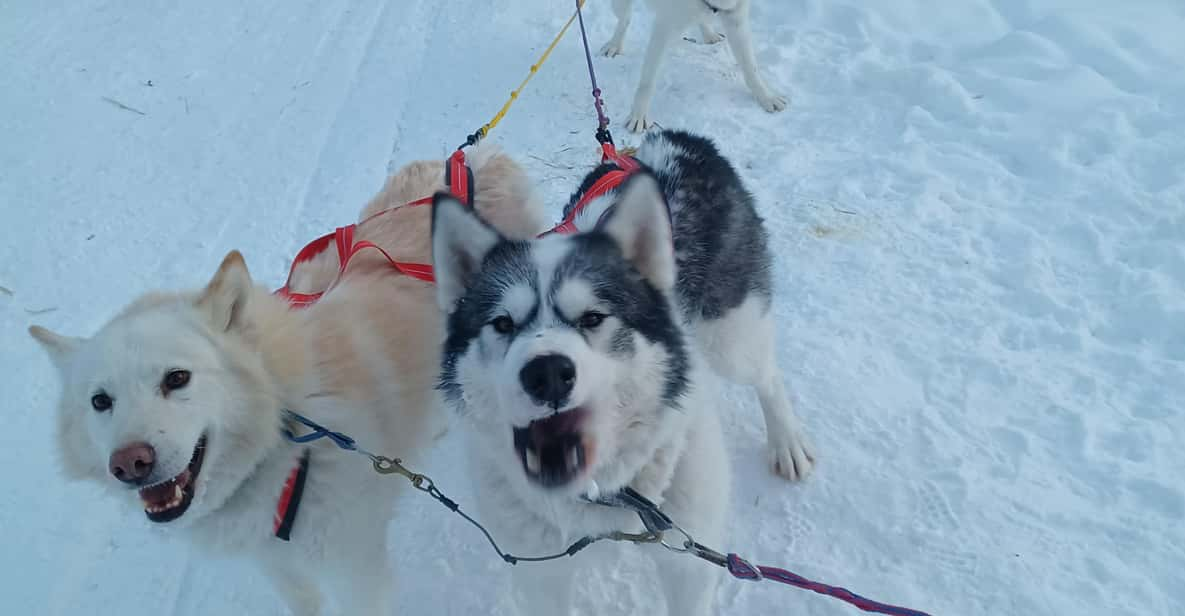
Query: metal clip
x,y
646,537
394,466
708,554
688,541
652,517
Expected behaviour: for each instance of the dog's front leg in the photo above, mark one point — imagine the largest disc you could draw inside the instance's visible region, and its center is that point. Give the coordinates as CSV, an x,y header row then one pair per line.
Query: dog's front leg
x,y
698,500
708,33
299,592
665,31
362,578
740,39
688,583
621,8
543,589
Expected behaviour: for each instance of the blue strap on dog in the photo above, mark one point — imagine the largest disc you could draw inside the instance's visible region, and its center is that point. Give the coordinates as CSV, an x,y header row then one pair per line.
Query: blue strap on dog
x,y
318,432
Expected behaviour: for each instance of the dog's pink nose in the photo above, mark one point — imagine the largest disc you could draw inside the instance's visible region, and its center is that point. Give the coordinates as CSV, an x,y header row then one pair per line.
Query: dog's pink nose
x,y
132,463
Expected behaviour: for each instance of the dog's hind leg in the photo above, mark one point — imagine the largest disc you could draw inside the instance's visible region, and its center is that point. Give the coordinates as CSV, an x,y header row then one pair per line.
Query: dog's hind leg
x,y
736,28
740,347
621,8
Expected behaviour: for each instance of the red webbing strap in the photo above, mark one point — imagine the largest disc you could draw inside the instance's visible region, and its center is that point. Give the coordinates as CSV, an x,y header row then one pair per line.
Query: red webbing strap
x,y
290,498
343,239
625,163
459,177
604,184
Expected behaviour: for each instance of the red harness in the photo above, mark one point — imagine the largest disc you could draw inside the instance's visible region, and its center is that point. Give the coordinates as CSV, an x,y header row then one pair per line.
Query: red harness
x,y
626,166
290,497
459,178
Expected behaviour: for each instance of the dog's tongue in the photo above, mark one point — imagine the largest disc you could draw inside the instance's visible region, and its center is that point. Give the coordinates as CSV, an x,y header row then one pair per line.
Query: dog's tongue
x,y
556,426
165,492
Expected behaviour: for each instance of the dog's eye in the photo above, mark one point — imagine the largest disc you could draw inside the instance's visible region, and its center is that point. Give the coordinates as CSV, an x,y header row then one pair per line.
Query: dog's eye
x,y
101,402
174,379
503,324
590,320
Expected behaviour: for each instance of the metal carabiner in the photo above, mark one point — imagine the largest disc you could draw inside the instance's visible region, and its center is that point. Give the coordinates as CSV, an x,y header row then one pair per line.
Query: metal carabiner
x,y
393,466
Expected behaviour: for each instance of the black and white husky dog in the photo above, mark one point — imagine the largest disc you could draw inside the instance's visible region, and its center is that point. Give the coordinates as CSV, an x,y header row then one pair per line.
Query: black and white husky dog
x,y
582,362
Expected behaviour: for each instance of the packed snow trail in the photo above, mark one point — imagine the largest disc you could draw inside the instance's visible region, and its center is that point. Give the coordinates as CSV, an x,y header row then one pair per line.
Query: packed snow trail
x,y
978,209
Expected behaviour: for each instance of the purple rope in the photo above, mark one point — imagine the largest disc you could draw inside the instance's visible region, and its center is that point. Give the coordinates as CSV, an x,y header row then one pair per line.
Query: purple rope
x,y
742,570
602,119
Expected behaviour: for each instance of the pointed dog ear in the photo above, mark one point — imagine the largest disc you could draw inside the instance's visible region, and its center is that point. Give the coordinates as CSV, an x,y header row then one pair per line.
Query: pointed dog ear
x,y
59,348
224,300
640,223
460,242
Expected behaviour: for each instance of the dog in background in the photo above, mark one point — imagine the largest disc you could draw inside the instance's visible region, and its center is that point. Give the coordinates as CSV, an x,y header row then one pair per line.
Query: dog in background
x,y
672,18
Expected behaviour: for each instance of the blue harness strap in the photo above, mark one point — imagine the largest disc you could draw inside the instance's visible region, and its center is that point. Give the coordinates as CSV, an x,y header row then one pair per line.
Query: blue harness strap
x,y
318,432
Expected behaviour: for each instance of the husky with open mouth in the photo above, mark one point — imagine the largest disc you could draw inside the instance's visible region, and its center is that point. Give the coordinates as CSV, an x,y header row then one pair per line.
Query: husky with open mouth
x,y
582,363
176,403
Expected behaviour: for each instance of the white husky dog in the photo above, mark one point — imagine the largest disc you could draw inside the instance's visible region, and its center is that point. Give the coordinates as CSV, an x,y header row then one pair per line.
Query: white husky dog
x,y
671,18
176,403
581,362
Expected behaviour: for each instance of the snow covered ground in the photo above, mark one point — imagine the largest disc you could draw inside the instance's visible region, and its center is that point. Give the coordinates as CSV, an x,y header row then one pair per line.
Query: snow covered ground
x,y
979,210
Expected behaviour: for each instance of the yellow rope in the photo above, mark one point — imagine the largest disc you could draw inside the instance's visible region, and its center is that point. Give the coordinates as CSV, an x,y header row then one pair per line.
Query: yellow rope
x,y
485,129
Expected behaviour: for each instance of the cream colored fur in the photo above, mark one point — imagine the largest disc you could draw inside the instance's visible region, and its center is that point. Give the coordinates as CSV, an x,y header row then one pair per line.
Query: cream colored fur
x,y
363,360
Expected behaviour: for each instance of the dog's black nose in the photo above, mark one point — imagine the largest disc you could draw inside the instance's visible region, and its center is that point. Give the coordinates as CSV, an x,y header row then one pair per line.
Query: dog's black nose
x,y
549,379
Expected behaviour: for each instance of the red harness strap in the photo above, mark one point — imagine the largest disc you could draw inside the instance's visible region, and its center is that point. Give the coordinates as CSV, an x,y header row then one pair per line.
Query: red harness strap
x,y
626,166
459,178
290,497
626,163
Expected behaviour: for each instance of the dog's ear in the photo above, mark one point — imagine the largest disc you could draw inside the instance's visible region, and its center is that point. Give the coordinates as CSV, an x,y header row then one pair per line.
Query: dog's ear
x,y
640,223
460,241
224,300
59,347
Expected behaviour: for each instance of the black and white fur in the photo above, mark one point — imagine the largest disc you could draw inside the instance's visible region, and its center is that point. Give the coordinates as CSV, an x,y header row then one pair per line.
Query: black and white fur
x,y
582,363
671,18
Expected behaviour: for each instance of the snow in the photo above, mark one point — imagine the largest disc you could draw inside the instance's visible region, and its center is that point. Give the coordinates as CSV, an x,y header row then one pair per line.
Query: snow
x,y
979,210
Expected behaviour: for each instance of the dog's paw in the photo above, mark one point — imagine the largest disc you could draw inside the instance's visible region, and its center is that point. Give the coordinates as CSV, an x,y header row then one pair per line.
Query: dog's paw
x,y
612,48
638,122
791,455
772,101
709,37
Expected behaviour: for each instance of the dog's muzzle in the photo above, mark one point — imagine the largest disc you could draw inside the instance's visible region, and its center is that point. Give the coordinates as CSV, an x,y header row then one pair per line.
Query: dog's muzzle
x,y
554,450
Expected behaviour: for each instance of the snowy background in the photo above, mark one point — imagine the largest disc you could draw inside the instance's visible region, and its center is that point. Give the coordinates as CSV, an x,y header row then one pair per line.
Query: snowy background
x,y
979,213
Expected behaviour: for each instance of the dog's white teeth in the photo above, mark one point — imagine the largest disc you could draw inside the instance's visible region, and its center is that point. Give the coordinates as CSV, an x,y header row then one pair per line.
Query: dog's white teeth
x,y
177,494
533,461
573,459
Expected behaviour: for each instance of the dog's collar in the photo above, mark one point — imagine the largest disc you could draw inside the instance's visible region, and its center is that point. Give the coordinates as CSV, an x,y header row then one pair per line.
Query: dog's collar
x,y
652,517
290,497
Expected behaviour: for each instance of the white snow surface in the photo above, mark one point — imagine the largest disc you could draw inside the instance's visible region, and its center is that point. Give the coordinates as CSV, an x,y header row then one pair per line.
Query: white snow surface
x,y
979,216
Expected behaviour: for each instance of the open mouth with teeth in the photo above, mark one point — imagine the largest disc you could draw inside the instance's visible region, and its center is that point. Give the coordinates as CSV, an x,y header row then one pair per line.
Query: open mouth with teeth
x,y
554,450
166,501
